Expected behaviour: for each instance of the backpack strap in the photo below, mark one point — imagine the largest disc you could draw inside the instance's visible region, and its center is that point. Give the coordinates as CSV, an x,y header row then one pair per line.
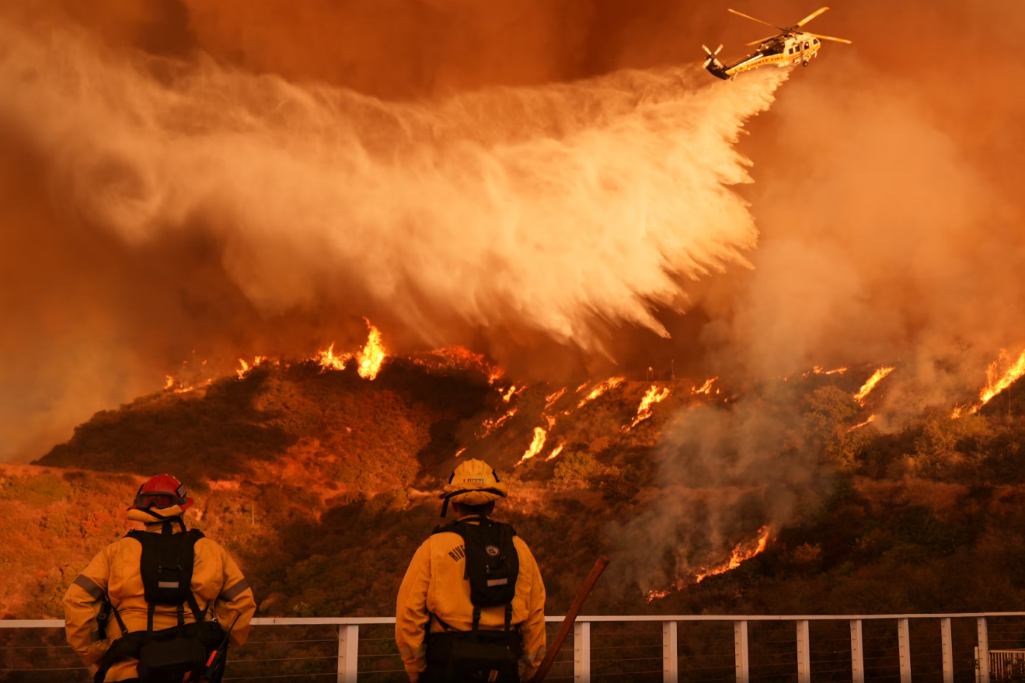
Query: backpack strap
x,y
150,610
476,618
508,616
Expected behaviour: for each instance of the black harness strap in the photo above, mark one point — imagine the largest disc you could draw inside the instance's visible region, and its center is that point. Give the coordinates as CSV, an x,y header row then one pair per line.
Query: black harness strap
x,y
150,610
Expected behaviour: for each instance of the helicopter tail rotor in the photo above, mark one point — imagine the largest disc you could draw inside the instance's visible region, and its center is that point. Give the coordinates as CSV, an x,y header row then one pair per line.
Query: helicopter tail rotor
x,y
711,56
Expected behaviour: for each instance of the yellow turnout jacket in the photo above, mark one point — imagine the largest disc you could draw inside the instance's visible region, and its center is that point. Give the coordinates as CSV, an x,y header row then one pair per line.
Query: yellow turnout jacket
x,y
434,582
216,581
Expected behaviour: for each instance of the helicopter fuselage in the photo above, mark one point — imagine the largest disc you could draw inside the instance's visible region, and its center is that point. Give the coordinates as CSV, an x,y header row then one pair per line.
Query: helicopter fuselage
x,y
792,49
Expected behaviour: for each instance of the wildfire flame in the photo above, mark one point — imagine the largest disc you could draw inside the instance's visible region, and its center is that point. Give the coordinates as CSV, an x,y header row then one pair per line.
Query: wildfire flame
x,y
327,360
246,367
868,386
460,452
739,555
371,358
608,384
550,419
460,356
509,394
817,370
558,449
535,446
645,410
170,382
705,388
743,551
871,418
581,387
996,381
552,399
491,424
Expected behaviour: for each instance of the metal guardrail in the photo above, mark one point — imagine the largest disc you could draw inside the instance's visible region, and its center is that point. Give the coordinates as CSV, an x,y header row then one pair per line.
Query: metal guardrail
x,y
783,647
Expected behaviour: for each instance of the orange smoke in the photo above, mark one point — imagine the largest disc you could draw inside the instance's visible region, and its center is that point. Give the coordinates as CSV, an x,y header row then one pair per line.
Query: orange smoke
x,y
868,386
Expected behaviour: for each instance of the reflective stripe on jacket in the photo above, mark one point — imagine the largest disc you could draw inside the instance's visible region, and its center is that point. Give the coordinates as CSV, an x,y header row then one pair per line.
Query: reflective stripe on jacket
x,y
434,582
116,572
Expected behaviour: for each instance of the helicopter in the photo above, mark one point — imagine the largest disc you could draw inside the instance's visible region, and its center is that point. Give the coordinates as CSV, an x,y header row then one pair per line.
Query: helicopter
x,y
792,46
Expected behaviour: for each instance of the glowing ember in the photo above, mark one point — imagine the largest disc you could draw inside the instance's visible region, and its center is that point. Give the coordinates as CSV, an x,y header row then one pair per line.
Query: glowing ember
x,y
371,358
327,360
871,418
535,446
460,452
491,424
645,410
997,381
558,449
550,419
509,394
610,383
868,386
743,551
705,388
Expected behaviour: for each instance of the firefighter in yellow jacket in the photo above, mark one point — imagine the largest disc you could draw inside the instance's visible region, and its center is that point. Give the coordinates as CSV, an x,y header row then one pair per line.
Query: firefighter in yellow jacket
x,y
471,606
121,613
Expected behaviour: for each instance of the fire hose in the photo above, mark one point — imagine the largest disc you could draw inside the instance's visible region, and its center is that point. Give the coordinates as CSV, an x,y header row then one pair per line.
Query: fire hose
x,y
571,616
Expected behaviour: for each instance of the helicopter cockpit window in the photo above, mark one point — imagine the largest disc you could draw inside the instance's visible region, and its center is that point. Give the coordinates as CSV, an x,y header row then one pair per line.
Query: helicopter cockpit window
x,y
790,51
816,41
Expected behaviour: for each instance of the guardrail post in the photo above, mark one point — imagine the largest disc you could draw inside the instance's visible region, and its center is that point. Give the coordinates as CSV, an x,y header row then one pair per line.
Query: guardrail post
x,y
803,652
904,647
947,641
670,662
983,651
857,652
348,650
740,650
582,652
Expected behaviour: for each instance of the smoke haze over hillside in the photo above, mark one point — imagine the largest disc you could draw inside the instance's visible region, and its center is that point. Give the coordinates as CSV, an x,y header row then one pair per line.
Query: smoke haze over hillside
x,y
192,176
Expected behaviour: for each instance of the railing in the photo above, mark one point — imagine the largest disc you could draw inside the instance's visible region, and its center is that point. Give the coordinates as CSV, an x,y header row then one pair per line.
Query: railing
x,y
618,648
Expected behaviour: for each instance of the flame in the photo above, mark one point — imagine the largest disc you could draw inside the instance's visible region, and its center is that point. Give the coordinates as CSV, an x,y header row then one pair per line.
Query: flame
x,y
170,382
739,555
581,387
491,424
535,446
327,360
552,399
645,410
371,358
558,449
460,356
868,386
460,452
817,370
550,419
610,383
871,418
705,388
995,383
509,394
245,369
656,595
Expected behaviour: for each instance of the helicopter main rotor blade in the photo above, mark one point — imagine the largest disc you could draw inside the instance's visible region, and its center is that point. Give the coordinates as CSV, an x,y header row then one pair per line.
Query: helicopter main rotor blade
x,y
839,40
741,14
762,40
811,16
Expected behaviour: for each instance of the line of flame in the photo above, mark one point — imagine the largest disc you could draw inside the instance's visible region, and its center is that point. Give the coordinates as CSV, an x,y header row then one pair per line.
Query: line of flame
x,y
871,418
535,446
608,384
705,388
646,409
869,385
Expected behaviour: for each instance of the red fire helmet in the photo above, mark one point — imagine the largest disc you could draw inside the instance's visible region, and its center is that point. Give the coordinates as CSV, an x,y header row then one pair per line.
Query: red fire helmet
x,y
162,491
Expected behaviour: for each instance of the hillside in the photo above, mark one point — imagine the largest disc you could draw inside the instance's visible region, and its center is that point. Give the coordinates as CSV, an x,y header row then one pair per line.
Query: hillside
x,y
323,484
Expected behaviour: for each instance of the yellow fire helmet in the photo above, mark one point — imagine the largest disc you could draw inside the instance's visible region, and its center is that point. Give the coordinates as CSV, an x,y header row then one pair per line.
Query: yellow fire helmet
x,y
474,482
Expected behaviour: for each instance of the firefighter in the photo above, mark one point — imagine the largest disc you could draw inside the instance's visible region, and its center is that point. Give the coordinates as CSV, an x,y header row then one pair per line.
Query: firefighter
x,y
124,611
471,606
